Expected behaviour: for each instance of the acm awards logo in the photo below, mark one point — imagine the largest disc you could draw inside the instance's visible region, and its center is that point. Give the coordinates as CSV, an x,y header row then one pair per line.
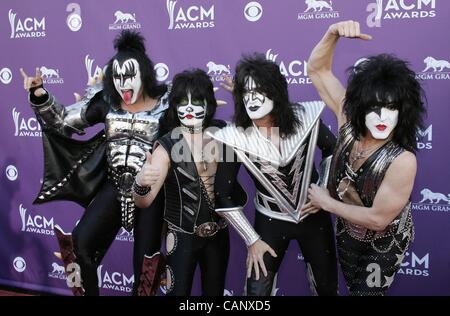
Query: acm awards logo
x,y
399,9
435,69
318,10
115,281
415,265
5,75
124,21
192,17
217,72
25,127
29,27
425,138
295,70
37,224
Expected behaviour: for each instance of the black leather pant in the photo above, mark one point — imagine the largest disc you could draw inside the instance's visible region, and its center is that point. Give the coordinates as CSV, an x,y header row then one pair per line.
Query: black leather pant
x,y
369,267
315,236
211,253
98,228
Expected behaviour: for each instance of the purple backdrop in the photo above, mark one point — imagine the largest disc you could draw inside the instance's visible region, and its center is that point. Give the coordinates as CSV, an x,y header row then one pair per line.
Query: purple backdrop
x,y
71,40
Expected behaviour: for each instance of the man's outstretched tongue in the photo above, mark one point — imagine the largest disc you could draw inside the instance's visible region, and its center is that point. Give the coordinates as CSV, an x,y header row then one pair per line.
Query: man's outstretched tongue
x,y
127,95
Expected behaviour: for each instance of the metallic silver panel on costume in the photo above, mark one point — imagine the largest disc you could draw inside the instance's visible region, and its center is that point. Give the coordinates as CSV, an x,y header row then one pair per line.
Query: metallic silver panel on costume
x,y
324,171
69,119
237,219
130,136
252,142
262,159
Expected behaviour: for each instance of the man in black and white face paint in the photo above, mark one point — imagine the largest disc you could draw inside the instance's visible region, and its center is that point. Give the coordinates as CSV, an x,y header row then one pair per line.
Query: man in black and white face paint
x,y
127,80
275,139
256,103
191,111
196,234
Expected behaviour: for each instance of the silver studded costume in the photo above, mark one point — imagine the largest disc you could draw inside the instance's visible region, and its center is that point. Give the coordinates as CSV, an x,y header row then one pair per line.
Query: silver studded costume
x,y
282,178
360,248
98,173
129,137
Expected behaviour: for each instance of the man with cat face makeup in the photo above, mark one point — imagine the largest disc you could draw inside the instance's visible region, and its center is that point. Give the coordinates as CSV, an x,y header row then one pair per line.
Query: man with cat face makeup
x,y
374,165
186,162
99,173
276,140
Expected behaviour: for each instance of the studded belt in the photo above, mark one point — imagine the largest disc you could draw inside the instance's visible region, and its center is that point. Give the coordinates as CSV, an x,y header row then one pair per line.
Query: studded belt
x,y
209,229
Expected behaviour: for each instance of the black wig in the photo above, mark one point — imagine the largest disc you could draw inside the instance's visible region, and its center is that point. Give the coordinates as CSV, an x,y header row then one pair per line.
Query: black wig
x,y
130,44
199,85
386,81
271,82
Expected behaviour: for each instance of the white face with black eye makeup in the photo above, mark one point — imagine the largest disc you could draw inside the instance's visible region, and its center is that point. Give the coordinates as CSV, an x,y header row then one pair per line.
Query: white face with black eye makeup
x,y
191,111
127,80
256,103
381,121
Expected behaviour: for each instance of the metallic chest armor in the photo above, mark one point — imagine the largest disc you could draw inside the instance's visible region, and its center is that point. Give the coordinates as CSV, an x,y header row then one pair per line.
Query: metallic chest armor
x,y
130,136
287,189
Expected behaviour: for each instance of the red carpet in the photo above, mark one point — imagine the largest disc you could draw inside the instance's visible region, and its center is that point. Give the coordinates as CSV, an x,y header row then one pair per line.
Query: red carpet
x,y
9,293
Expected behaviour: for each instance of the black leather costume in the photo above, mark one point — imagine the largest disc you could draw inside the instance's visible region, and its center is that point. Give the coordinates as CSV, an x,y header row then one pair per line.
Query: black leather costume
x,y
98,174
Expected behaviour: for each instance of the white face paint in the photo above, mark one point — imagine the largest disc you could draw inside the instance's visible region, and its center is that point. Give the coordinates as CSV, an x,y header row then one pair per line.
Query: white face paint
x,y
191,111
381,122
127,80
257,104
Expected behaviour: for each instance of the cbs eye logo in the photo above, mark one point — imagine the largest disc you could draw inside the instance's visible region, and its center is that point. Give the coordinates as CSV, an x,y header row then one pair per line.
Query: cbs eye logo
x,y
19,264
5,75
253,11
11,173
162,71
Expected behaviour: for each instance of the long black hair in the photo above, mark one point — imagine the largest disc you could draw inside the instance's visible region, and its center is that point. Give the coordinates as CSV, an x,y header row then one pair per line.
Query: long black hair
x,y
198,84
130,44
386,81
271,82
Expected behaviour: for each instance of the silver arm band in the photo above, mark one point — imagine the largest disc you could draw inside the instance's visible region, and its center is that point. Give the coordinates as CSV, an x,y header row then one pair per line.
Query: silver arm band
x,y
236,218
324,172
66,120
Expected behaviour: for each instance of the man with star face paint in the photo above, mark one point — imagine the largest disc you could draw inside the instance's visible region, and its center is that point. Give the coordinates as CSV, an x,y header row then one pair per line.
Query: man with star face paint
x,y
374,165
99,174
276,140
190,170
